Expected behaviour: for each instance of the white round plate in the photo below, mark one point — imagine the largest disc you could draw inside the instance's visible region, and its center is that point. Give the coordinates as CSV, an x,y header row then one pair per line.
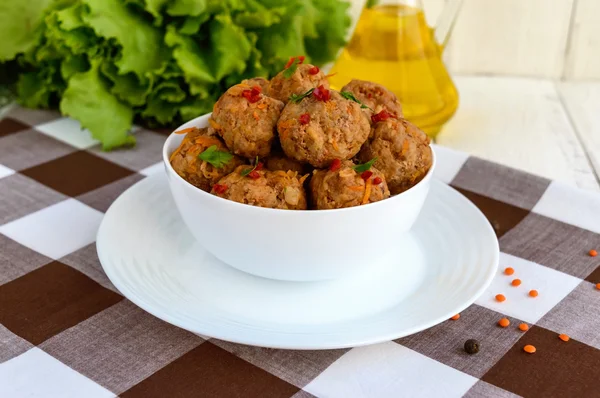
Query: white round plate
x,y
437,270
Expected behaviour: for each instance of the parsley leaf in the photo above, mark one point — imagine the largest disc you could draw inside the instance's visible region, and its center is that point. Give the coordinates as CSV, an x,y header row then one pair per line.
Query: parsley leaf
x,y
349,96
360,168
295,98
245,172
215,157
289,71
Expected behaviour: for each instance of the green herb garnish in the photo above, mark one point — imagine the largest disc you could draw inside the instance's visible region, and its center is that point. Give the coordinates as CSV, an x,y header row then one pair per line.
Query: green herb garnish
x,y
349,96
289,71
360,168
215,157
245,172
295,98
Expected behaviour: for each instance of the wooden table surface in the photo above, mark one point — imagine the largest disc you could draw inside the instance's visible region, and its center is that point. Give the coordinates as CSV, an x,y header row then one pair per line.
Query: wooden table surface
x,y
541,126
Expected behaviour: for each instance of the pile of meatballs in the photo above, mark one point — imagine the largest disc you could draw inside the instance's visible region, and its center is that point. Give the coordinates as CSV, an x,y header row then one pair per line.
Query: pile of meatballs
x,y
294,143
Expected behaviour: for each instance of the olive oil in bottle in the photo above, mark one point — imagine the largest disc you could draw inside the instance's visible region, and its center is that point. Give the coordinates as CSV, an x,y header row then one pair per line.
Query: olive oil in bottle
x,y
392,45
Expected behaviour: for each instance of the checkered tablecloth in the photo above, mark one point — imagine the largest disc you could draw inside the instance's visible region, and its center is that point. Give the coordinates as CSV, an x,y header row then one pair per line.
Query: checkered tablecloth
x,y
65,331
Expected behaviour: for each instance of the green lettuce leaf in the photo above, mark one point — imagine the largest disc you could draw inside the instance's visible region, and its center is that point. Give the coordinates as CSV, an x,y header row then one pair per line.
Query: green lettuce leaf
x,y
142,47
127,87
20,26
190,8
32,90
155,8
230,47
88,99
331,23
73,64
193,107
191,25
192,61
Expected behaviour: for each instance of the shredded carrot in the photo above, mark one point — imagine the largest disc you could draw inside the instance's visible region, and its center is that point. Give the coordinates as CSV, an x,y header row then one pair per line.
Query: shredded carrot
x,y
504,322
262,105
367,194
509,271
529,349
533,293
516,282
207,141
255,116
214,124
593,253
500,297
175,152
523,327
404,147
598,286
185,131
335,145
356,188
303,178
564,337
455,317
330,75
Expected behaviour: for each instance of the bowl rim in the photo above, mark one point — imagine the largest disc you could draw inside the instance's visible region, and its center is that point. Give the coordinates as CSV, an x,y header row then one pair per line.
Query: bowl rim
x,y
209,196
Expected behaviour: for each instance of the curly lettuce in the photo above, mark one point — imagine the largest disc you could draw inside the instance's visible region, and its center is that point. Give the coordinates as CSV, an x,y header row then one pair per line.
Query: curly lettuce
x,y
160,62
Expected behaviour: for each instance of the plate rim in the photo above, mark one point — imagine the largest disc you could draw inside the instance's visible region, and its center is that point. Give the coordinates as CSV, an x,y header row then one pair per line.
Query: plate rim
x,y
355,342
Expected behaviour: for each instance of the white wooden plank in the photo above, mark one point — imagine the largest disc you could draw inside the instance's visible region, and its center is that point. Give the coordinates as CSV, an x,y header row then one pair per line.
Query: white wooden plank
x,y
583,60
520,123
582,101
511,37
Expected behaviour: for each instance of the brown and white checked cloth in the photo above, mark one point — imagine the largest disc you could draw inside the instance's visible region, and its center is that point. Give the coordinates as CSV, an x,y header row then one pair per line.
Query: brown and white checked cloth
x,y
65,331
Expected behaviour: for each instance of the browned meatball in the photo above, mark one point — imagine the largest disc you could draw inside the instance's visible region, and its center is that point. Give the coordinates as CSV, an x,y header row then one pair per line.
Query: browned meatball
x,y
198,172
402,151
316,132
345,187
375,96
302,80
246,120
278,161
272,189
258,81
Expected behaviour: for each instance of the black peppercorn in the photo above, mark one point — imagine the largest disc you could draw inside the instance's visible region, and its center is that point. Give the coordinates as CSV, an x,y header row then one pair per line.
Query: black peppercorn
x,y
472,346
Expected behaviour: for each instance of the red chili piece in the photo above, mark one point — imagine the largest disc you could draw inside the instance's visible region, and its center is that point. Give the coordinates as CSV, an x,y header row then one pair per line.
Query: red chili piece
x,y
218,188
321,93
252,95
259,166
377,181
254,175
381,116
304,118
314,70
366,175
292,59
335,165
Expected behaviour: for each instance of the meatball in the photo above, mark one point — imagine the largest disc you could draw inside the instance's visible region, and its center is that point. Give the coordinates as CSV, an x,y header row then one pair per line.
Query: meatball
x,y
246,120
197,172
316,131
375,96
302,80
278,161
272,189
402,151
345,187
258,81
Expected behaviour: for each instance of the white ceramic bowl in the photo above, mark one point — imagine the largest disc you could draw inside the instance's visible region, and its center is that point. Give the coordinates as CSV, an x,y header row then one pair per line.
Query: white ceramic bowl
x,y
294,245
